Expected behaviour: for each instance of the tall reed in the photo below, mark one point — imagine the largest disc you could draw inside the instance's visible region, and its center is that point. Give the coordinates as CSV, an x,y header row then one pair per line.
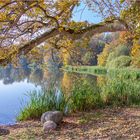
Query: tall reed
x,y
42,101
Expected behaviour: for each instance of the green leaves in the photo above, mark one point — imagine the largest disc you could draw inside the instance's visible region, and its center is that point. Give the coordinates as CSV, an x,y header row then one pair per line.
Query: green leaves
x,y
122,1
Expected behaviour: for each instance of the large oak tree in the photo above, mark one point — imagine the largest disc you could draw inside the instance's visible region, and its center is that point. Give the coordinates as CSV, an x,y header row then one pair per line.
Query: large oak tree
x,y
25,24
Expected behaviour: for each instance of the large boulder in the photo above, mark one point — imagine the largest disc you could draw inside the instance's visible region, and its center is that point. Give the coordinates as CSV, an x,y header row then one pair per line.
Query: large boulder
x,y
55,116
48,126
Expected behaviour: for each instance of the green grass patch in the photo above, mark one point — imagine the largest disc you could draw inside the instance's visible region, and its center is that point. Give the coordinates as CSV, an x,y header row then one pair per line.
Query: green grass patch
x,y
42,101
126,73
95,70
121,87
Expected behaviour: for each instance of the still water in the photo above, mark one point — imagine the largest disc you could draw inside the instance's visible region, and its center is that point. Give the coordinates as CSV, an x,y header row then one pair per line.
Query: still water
x,y
14,84
10,99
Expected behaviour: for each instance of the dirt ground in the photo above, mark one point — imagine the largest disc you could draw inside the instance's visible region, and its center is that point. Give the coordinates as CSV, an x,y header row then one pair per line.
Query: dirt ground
x,y
104,124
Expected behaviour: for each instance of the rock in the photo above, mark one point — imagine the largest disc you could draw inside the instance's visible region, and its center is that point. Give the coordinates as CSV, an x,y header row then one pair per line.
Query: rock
x,y
4,131
55,116
49,125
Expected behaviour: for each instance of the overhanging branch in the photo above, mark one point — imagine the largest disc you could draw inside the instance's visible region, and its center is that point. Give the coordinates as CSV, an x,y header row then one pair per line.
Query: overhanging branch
x,y
89,31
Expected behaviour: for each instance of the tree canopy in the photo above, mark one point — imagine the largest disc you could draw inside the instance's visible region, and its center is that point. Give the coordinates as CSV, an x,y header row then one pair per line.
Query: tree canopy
x,y
26,24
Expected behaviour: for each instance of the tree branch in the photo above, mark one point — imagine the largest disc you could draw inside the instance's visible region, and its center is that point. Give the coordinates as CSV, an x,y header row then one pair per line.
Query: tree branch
x,y
107,26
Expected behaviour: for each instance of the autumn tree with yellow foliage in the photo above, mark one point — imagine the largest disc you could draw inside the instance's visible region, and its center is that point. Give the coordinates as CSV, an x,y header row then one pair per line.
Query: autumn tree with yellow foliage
x,y
26,24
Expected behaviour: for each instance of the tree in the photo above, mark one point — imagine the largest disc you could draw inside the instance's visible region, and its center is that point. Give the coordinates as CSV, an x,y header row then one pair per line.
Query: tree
x,y
30,23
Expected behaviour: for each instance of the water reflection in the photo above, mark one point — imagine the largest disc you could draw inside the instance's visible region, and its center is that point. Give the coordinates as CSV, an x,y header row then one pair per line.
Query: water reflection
x,y
10,99
15,82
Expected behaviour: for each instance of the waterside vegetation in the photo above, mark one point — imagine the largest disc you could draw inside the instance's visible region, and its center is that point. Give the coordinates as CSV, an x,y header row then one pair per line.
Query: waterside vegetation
x,y
104,71
108,91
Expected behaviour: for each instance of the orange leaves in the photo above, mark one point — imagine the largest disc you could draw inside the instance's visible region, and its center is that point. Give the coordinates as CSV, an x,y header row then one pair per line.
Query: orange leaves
x,y
124,36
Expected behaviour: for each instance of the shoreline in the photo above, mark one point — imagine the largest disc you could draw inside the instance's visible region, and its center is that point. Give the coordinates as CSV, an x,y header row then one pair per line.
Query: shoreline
x,y
121,123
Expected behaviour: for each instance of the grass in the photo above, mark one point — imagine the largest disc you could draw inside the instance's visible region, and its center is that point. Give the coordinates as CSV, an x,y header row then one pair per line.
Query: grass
x,y
121,92
42,101
127,73
96,70
121,88
84,96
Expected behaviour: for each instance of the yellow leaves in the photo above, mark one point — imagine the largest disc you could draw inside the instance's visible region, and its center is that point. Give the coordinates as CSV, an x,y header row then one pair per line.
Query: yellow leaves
x,y
102,58
2,54
3,2
63,4
122,1
60,29
77,25
9,54
136,48
3,17
132,17
74,26
135,52
124,36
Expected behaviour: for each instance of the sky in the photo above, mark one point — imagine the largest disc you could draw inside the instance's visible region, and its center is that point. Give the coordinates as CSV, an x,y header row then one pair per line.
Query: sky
x,y
82,13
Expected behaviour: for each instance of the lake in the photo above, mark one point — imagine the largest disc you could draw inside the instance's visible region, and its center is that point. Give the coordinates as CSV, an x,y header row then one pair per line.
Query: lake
x,y
15,83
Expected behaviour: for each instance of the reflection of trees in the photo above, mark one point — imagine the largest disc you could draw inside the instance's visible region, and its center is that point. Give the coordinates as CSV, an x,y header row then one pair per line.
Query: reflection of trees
x,y
10,74
32,72
51,78
72,79
46,78
36,76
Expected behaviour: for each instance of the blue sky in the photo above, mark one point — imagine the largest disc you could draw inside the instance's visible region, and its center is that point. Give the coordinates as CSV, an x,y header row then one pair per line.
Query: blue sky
x,y
82,13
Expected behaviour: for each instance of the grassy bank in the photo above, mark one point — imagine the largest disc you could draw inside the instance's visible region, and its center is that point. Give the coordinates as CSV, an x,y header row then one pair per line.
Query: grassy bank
x,y
84,96
95,70
42,101
111,72
120,87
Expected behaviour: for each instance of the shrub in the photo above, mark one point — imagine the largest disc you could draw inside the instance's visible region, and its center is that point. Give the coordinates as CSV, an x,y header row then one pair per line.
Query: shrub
x,y
119,51
122,50
120,62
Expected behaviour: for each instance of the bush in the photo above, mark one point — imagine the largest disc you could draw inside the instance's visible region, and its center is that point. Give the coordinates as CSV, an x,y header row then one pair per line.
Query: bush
x,y
120,62
122,50
117,53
